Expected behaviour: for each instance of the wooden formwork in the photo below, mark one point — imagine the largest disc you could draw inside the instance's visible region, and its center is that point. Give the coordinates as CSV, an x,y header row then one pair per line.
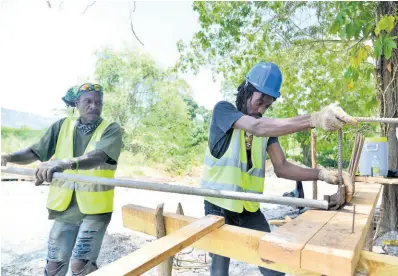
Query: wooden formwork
x,y
315,243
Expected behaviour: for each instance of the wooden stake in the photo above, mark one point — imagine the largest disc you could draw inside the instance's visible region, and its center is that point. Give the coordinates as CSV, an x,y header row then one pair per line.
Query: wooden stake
x,y
180,211
357,157
313,157
165,268
354,149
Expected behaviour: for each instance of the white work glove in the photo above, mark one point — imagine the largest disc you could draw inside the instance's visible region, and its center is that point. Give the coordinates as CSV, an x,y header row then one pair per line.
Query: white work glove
x,y
46,170
332,177
5,158
331,117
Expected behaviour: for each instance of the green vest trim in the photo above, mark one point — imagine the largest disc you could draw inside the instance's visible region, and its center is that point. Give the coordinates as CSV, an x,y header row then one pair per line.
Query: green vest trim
x,y
91,198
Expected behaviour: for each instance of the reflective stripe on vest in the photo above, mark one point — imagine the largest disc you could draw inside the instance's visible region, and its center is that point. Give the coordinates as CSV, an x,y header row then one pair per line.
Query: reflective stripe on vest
x,y
230,172
91,198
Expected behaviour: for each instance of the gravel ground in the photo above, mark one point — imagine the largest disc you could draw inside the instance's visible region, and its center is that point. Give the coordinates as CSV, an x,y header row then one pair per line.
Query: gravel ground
x,y
25,227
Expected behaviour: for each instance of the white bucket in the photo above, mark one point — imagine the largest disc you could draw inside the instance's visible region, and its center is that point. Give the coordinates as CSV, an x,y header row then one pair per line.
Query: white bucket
x,y
374,146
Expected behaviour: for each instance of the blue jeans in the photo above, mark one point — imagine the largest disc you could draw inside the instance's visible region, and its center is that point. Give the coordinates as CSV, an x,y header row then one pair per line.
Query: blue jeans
x,y
79,242
256,221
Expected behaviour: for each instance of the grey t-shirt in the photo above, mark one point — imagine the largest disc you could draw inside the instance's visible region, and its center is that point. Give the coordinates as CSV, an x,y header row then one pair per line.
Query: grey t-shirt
x,y
224,116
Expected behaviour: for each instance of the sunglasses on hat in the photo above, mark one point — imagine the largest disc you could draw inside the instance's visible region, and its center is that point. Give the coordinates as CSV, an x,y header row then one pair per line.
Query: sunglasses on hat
x,y
87,87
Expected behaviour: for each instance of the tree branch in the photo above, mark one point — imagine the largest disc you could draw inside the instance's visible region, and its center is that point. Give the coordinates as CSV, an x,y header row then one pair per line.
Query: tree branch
x,y
280,16
88,6
131,22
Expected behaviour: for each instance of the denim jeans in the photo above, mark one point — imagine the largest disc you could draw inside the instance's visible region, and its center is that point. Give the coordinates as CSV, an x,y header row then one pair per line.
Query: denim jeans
x,y
81,242
256,221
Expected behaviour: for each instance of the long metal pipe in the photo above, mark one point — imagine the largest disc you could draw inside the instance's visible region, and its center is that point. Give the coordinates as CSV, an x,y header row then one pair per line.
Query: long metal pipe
x,y
178,189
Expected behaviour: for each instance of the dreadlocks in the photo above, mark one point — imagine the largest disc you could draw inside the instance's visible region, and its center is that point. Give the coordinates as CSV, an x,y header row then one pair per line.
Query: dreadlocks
x,y
245,92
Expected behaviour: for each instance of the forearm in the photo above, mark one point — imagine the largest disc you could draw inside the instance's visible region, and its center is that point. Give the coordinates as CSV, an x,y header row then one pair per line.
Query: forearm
x,y
293,172
90,160
23,157
269,127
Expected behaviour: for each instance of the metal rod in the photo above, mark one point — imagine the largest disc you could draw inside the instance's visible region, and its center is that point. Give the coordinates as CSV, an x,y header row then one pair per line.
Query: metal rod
x,y
178,189
340,164
377,120
353,220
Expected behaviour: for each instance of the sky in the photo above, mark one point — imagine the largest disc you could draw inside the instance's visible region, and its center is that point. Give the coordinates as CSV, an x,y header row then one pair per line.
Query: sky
x,y
44,51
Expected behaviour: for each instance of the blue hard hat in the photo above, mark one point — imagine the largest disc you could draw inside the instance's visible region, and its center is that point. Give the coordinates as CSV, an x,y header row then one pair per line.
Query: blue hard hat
x,y
266,78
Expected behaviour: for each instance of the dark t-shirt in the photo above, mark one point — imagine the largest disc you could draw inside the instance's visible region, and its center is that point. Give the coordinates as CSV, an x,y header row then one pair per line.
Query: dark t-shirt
x,y
225,115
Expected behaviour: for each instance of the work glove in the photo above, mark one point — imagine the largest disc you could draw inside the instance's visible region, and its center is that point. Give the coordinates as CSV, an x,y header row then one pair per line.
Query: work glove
x,y
5,158
46,170
332,177
331,117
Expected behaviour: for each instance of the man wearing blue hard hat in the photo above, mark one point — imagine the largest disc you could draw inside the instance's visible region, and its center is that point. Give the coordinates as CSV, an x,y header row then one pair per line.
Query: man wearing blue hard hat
x,y
239,140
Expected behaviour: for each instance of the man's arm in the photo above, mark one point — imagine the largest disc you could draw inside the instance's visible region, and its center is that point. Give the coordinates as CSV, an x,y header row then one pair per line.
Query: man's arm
x,y
331,117
107,151
270,127
285,169
90,160
87,161
22,157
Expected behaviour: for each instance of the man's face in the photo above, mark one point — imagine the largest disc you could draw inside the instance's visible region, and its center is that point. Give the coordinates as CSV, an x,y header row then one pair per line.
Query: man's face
x,y
90,107
258,104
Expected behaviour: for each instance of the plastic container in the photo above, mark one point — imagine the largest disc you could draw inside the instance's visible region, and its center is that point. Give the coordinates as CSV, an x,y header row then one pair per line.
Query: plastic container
x,y
374,147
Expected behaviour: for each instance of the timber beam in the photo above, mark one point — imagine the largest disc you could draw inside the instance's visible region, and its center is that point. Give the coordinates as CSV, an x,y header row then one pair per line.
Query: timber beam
x,y
156,252
244,244
324,241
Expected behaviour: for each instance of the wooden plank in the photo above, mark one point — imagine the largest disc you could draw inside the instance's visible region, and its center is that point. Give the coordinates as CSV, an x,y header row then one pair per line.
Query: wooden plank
x,y
284,245
229,241
364,199
159,250
372,264
379,180
334,250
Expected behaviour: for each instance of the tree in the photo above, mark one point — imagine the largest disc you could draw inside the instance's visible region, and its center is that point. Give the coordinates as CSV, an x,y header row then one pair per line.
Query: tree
x,y
327,51
129,78
155,109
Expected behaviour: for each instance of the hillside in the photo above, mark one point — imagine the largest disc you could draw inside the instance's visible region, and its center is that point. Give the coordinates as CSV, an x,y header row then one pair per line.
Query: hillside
x,y
17,119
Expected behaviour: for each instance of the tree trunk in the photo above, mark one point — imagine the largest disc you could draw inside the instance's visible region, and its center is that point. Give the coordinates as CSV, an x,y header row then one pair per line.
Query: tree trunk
x,y
387,93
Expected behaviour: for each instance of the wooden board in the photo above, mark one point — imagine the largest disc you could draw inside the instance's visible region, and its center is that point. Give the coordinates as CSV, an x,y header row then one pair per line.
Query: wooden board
x,y
334,250
230,241
159,250
237,243
378,180
372,264
284,245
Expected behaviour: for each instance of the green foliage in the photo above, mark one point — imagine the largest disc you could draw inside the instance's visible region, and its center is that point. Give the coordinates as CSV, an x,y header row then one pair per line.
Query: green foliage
x,y
159,118
301,38
13,139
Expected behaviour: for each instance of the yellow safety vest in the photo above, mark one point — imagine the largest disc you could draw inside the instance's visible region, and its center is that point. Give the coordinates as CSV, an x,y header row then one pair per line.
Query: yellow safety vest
x,y
91,198
230,172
